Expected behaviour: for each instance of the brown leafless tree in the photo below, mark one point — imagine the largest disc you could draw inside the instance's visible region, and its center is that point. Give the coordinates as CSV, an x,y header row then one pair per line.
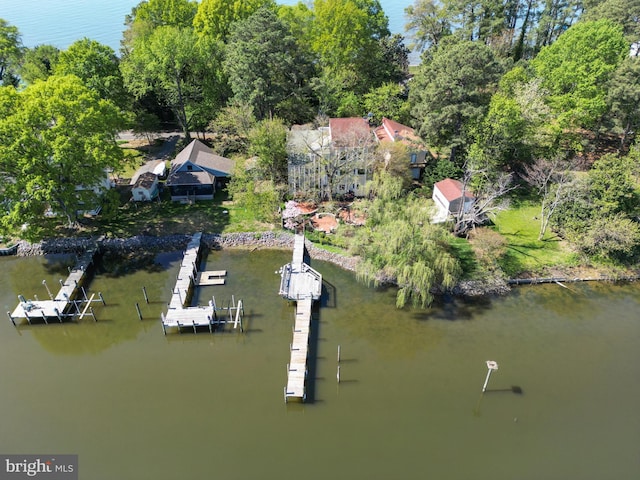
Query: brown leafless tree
x,y
551,178
489,198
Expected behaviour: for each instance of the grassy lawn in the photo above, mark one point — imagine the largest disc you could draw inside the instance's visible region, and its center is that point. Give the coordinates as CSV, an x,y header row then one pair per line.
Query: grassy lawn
x,y
168,218
520,225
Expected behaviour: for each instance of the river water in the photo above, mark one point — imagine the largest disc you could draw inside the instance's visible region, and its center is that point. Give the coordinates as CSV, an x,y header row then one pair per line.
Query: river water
x,y
135,404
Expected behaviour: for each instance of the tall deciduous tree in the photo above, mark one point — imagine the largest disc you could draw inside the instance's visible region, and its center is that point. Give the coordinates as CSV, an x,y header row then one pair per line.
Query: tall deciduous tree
x,y
54,135
346,37
267,70
10,53
38,63
183,72
453,89
215,18
623,98
151,14
575,70
97,66
268,142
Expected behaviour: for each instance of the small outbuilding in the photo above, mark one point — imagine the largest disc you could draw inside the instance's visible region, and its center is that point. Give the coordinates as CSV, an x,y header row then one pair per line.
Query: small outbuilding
x,y
146,187
451,198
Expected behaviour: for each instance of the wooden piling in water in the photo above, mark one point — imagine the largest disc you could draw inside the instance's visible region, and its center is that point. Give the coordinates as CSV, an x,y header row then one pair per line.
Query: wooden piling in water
x,y
144,292
101,298
139,312
11,318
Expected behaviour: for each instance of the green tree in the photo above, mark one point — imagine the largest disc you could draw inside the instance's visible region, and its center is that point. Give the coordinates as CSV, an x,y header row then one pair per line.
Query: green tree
x,y
612,185
97,66
231,127
38,63
346,37
267,70
388,100
608,237
428,22
10,53
623,12
151,14
54,135
576,68
268,142
452,90
555,17
183,72
216,17
399,244
623,98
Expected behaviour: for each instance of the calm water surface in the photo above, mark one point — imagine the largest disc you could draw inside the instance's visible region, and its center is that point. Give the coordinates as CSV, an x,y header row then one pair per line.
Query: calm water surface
x,y
62,22
134,404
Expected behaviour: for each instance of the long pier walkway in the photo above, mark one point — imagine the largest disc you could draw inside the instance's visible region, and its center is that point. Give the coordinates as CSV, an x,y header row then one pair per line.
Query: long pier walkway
x,y
180,314
65,303
303,284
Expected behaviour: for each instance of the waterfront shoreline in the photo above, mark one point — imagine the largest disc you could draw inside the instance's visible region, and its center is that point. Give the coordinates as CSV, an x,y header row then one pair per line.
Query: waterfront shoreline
x,y
495,285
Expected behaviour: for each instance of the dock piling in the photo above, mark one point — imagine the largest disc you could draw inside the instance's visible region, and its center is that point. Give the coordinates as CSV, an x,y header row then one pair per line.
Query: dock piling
x,y
139,312
11,318
101,298
44,282
144,292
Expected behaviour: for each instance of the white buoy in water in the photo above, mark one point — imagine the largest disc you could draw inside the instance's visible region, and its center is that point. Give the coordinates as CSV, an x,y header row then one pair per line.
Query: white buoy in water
x,y
491,366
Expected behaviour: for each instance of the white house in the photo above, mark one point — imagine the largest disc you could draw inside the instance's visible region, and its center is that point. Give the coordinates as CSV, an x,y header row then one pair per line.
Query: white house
x,y
448,195
146,187
333,160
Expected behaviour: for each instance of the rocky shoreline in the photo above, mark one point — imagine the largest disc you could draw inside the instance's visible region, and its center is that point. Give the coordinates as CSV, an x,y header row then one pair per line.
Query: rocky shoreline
x,y
494,285
273,240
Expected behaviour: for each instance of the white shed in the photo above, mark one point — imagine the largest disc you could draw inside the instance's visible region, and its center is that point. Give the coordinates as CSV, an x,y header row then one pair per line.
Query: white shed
x,y
146,187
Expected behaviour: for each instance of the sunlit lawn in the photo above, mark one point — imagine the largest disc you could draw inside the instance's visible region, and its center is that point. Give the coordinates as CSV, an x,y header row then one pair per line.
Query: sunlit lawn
x,y
520,225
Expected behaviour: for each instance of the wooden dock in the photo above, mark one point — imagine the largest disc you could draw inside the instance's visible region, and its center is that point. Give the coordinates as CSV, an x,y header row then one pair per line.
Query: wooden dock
x,y
66,303
180,314
303,284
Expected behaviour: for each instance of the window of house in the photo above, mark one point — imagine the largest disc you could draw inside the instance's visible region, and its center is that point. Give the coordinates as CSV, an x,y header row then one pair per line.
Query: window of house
x,y
414,157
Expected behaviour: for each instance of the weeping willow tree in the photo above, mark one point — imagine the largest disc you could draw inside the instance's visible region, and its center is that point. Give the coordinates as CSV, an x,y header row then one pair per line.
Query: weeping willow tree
x,y
399,244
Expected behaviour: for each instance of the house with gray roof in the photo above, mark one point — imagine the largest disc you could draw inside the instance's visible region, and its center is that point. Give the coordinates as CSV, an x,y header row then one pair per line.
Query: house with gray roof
x,y
196,173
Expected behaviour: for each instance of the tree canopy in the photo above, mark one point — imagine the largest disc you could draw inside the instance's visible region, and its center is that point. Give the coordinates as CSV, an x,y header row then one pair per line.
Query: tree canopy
x,y
55,135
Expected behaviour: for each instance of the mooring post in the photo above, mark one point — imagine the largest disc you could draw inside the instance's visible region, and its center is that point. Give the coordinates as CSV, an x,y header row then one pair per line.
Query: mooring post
x,y
144,292
491,366
338,353
44,317
93,314
11,318
44,282
35,297
84,293
338,374
58,314
101,298
61,282
139,312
